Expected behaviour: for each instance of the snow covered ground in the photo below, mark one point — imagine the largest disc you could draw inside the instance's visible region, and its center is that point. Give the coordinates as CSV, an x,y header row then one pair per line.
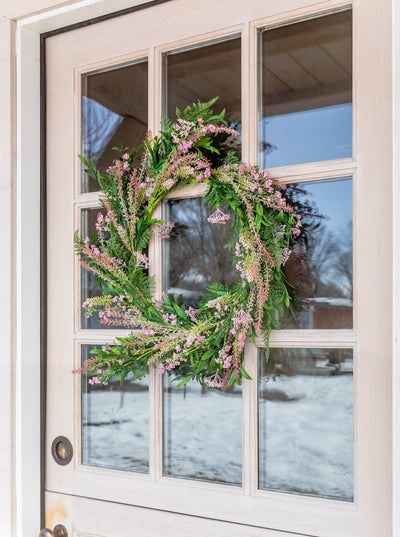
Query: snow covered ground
x,y
305,436
203,434
115,431
306,439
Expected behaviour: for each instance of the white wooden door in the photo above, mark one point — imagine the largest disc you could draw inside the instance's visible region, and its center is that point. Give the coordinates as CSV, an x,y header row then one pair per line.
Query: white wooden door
x,y
294,456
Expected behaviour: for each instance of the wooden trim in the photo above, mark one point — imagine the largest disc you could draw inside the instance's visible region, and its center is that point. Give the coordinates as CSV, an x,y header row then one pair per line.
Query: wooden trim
x,y
312,11
315,171
116,62
188,191
250,421
201,40
311,338
155,258
102,18
43,277
77,440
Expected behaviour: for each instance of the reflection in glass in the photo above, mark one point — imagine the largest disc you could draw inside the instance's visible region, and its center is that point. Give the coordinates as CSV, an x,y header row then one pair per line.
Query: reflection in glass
x,y
195,254
203,73
306,72
114,114
115,423
320,268
306,422
89,287
202,432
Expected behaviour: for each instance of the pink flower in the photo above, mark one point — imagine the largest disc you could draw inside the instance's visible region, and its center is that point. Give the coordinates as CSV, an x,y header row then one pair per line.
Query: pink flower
x,y
141,260
192,313
215,381
218,217
165,230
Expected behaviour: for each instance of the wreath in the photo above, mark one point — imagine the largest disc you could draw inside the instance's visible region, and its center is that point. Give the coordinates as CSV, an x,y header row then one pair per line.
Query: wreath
x,y
204,343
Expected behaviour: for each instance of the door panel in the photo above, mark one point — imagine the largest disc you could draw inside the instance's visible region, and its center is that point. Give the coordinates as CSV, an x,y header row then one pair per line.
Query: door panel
x,y
86,518
105,489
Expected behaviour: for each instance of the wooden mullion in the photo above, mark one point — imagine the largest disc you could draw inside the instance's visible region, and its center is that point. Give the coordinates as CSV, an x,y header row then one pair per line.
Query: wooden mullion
x,y
250,421
155,258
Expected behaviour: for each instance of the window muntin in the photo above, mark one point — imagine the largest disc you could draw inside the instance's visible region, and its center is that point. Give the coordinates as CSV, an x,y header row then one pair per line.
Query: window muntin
x,y
156,386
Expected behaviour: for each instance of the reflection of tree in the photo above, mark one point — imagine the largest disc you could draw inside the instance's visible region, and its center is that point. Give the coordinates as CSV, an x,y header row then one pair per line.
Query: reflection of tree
x,y
197,254
329,263
265,147
320,267
344,265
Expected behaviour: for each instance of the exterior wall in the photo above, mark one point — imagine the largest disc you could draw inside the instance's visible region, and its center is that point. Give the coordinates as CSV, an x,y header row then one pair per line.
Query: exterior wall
x,y
6,411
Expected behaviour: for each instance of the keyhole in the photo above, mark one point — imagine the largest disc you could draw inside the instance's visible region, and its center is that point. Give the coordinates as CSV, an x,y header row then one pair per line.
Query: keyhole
x,y
61,450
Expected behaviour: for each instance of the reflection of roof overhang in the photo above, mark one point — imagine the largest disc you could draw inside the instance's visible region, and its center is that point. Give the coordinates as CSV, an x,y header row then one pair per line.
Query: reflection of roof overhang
x,y
329,302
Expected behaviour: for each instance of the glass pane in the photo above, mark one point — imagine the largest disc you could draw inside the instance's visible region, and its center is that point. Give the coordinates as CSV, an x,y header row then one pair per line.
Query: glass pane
x,y
202,432
89,287
306,422
114,114
306,73
320,267
115,423
203,73
195,255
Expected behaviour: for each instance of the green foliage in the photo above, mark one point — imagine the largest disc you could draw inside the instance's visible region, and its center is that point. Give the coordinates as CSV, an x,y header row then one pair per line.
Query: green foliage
x,y
204,344
203,111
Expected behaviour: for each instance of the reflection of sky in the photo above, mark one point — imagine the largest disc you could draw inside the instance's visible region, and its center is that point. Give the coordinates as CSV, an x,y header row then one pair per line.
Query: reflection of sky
x,y
98,126
333,200
308,136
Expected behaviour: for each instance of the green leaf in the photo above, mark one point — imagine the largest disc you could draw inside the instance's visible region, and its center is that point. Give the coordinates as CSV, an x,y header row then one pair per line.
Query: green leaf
x,y
244,373
231,380
84,161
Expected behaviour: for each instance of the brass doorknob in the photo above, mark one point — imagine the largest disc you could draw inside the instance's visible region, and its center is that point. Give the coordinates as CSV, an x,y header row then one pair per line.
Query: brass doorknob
x,y
59,531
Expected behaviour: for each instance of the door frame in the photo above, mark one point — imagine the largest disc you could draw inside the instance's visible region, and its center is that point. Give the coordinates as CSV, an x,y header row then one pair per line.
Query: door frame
x,y
30,34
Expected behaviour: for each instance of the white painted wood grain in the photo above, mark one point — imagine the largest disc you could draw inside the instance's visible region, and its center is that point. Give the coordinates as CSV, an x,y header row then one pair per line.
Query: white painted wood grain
x,y
111,42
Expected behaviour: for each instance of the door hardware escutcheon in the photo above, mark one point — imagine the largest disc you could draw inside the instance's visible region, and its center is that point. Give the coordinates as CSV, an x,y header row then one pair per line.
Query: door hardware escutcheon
x,y
62,450
59,531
